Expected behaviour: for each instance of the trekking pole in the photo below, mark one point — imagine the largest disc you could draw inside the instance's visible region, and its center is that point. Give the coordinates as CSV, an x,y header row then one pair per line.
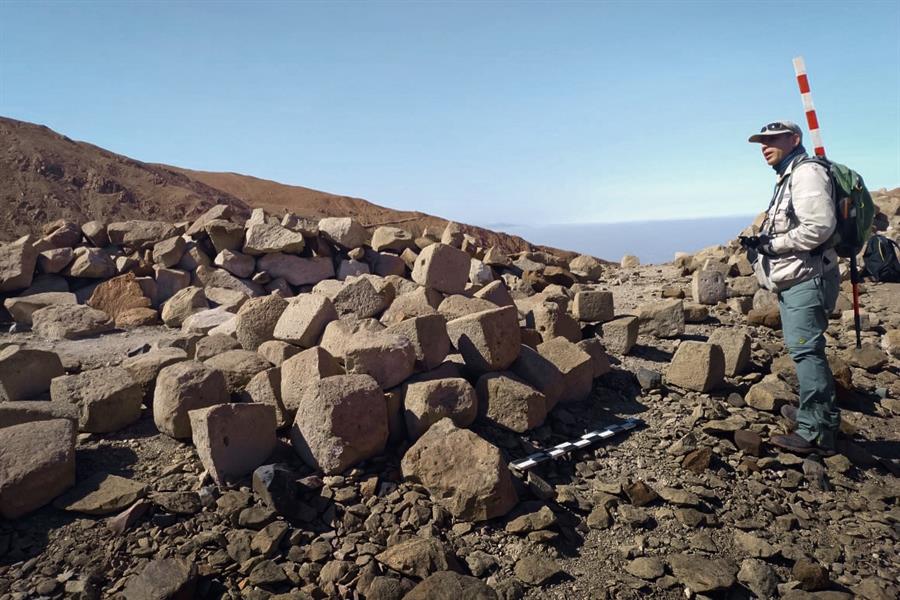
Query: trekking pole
x,y
816,137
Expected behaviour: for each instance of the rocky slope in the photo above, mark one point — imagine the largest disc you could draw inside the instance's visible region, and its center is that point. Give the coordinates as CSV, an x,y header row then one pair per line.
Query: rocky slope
x,y
329,412
46,176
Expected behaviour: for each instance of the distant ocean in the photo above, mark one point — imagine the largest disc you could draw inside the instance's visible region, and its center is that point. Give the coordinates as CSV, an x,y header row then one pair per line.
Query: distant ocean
x,y
653,242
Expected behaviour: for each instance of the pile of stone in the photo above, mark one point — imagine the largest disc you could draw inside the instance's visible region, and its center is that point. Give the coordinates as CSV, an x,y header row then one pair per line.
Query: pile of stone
x,y
344,341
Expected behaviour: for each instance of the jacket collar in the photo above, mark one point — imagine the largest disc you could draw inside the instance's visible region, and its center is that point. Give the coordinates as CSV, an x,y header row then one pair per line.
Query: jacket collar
x,y
790,168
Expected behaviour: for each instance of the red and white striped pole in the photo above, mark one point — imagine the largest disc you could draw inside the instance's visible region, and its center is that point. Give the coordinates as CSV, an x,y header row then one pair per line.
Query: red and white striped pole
x,y
803,81
816,137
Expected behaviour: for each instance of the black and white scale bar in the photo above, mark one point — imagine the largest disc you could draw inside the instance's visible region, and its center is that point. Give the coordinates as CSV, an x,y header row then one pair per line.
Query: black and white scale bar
x,y
562,449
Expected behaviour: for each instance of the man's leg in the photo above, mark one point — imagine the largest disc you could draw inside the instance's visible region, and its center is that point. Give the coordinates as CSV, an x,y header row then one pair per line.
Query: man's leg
x,y
804,319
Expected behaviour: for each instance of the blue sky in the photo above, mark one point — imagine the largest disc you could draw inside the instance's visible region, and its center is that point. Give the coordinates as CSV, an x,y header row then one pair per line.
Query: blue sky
x,y
484,112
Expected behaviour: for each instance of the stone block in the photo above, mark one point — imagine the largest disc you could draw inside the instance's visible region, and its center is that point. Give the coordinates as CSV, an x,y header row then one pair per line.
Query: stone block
x,y
232,440
488,340
697,366
443,268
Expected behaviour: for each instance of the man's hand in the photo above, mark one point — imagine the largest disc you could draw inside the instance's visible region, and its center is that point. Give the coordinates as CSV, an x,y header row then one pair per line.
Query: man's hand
x,y
761,244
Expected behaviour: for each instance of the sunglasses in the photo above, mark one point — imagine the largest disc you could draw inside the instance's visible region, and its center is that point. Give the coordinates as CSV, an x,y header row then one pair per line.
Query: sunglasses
x,y
776,126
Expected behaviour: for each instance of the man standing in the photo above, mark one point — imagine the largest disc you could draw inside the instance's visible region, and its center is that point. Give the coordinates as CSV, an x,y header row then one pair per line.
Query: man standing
x,y
791,257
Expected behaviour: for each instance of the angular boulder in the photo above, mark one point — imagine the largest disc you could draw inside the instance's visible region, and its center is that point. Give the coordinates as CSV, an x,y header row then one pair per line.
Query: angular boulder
x,y
22,307
340,421
463,473
182,305
69,322
429,338
697,366
295,270
507,401
118,295
303,370
427,402
256,320
183,387
540,373
345,232
270,238
37,463
662,319
304,319
238,367
108,399
443,268
488,340
233,439
575,364
735,346
26,373
17,262
594,306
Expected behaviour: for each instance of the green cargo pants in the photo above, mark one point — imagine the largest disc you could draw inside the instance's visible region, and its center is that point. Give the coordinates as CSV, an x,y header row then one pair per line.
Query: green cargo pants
x,y
805,308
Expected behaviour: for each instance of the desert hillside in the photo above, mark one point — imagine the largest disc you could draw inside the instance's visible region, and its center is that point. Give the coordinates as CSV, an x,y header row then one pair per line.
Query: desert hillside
x,y
46,176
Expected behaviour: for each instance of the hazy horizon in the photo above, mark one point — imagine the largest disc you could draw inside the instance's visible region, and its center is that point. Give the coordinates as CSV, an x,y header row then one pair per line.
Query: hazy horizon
x,y
653,241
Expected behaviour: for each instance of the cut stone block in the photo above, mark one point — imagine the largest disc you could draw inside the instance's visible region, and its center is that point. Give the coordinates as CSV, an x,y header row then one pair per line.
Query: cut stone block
x,y
507,401
144,368
265,388
340,421
270,238
620,335
304,369
489,340
540,373
256,320
344,232
69,322
233,439
594,306
697,366
276,351
599,358
662,319
393,239
22,307
427,402
463,473
708,287
443,268
389,358
37,463
496,292
238,367
26,373
551,321
457,305
17,262
182,387
359,297
108,398
27,411
423,301
295,270
735,346
429,338
575,365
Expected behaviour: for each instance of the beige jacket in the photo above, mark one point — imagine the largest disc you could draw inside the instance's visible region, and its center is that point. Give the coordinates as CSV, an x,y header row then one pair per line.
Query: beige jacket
x,y
800,220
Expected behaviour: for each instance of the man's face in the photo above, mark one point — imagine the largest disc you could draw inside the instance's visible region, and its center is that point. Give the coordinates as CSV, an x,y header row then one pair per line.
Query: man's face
x,y
776,147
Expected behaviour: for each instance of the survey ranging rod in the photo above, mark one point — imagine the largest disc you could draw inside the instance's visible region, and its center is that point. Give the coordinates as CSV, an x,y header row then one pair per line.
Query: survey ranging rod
x,y
565,448
812,120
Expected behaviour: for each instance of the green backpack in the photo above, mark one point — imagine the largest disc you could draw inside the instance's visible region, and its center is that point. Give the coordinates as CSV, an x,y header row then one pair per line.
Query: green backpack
x,y
853,208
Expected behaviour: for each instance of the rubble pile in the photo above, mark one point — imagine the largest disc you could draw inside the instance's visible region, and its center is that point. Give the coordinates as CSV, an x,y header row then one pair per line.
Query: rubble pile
x,y
322,410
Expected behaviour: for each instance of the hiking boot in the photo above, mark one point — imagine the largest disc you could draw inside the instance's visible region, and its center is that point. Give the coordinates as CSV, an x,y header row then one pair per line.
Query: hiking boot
x,y
794,443
789,412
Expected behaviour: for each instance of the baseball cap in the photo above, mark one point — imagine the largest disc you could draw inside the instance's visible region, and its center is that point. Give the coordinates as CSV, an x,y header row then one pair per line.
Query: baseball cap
x,y
776,128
